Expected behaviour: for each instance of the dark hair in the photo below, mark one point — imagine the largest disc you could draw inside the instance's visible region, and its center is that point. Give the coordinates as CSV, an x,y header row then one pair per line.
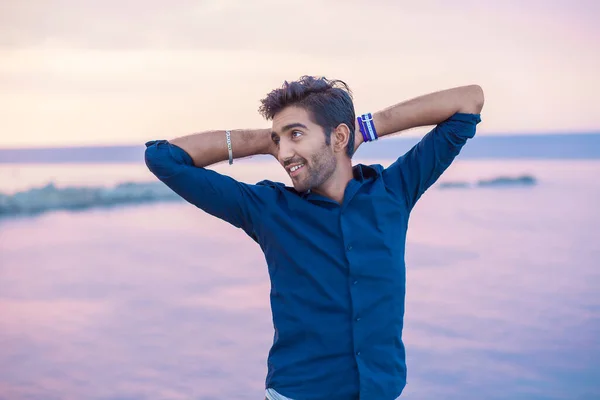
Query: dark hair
x,y
328,102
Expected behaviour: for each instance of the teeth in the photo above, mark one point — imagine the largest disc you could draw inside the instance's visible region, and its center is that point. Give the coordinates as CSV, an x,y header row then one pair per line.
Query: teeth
x,y
296,167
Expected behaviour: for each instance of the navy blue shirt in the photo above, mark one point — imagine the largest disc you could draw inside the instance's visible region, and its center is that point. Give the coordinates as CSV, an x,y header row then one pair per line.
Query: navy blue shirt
x,y
337,270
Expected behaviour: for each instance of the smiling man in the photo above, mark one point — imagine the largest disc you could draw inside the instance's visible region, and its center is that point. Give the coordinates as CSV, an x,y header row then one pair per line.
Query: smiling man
x,y
334,243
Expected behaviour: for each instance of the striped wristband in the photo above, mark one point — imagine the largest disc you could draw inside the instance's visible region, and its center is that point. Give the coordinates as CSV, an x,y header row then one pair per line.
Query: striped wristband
x,y
367,128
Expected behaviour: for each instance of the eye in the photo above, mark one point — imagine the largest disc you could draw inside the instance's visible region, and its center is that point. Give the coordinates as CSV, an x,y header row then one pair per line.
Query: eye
x,y
296,134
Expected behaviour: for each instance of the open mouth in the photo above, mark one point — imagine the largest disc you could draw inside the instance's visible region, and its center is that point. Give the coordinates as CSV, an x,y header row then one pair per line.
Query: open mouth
x,y
296,169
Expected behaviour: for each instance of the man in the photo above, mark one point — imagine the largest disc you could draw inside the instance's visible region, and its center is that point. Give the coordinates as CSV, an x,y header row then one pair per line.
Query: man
x,y
334,243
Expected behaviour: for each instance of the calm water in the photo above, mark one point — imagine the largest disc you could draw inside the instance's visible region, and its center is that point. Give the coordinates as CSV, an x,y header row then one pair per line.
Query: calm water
x,y
162,301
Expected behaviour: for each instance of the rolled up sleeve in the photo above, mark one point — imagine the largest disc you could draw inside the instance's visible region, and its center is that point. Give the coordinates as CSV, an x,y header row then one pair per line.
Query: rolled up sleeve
x,y
238,203
414,172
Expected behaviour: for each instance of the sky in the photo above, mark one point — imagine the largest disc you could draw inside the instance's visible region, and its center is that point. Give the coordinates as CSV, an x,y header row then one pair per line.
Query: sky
x,y
76,72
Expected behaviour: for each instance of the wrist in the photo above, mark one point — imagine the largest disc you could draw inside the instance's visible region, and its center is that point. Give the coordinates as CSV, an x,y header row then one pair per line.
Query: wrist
x,y
267,146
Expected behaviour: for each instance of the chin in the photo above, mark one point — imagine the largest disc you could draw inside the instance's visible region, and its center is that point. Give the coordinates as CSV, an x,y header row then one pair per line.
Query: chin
x,y
299,187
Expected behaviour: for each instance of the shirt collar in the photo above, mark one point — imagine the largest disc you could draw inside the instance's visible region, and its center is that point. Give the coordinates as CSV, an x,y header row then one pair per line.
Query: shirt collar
x,y
363,172
360,172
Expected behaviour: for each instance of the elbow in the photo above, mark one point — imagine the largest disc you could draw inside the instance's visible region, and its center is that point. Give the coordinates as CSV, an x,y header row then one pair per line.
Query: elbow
x,y
474,100
159,159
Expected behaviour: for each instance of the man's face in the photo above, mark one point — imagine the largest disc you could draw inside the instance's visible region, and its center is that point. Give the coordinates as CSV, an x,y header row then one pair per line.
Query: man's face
x,y
302,149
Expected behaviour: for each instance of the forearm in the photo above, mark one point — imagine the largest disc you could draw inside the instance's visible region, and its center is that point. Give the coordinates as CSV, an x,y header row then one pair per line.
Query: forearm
x,y
430,109
210,147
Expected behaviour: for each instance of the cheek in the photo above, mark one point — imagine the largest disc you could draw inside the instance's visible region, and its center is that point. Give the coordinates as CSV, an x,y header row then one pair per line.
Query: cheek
x,y
322,158
316,149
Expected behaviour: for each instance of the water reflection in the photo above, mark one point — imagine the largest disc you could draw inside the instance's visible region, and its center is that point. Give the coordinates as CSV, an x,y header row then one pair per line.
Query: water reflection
x,y
165,302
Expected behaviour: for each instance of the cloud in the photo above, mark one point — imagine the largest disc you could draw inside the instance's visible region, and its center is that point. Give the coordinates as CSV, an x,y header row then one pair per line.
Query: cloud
x,y
124,71
304,26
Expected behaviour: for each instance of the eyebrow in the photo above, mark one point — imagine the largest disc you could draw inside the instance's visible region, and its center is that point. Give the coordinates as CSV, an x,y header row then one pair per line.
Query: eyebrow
x,y
288,127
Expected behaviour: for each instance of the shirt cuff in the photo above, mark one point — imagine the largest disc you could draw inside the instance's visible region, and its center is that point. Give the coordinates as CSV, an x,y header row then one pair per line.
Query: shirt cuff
x,y
465,117
461,125
162,148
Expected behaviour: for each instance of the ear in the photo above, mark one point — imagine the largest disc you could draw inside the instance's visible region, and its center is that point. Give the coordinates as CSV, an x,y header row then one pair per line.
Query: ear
x,y
340,136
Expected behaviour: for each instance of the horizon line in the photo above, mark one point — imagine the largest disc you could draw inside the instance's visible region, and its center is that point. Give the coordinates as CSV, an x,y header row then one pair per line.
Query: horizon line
x,y
396,137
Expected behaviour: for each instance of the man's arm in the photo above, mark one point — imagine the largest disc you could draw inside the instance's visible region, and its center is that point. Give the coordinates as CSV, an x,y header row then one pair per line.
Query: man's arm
x,y
180,162
455,112
429,109
210,147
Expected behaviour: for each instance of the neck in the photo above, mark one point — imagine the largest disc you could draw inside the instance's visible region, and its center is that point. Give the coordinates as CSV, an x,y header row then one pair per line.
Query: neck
x,y
335,187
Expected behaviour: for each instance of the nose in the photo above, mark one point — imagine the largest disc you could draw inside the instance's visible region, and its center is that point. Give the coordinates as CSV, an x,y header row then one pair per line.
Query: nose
x,y
286,152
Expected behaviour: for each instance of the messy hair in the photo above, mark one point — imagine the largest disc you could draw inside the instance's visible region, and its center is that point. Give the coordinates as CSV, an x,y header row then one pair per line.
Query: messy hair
x,y
328,102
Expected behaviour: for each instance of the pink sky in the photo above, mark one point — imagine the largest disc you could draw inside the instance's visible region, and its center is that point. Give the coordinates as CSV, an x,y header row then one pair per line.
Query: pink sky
x,y
88,72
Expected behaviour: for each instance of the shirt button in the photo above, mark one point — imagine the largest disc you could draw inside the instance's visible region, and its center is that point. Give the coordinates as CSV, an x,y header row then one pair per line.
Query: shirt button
x,y
349,247
357,319
358,353
355,282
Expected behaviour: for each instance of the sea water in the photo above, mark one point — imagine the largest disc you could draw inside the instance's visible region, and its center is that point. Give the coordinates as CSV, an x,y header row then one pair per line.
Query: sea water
x,y
159,300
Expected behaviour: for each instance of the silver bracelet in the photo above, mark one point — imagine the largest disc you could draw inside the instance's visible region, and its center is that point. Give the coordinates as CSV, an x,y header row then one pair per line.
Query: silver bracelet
x,y
228,137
